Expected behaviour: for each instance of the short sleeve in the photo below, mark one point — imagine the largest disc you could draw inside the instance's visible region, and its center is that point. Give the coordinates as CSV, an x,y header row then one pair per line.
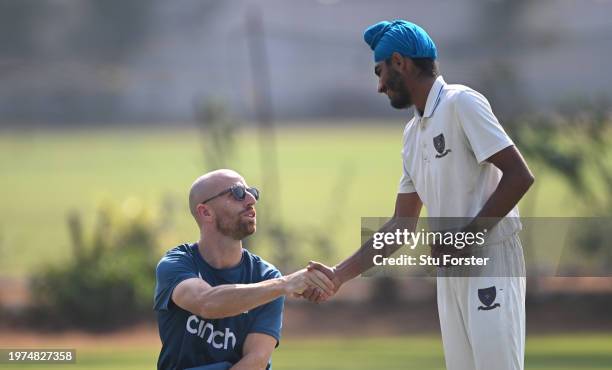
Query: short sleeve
x,y
405,184
482,129
269,317
172,269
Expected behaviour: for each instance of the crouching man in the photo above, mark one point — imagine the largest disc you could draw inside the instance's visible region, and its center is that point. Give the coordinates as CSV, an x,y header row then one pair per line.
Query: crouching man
x,y
218,305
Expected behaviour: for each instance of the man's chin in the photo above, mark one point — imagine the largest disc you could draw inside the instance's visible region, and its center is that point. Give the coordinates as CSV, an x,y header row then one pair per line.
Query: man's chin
x,y
400,104
252,229
248,229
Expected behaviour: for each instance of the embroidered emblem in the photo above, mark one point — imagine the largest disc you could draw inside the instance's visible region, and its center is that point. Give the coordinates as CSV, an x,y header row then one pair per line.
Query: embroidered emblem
x,y
439,144
487,297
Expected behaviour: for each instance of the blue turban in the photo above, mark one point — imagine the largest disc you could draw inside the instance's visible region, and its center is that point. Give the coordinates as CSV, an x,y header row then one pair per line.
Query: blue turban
x,y
400,36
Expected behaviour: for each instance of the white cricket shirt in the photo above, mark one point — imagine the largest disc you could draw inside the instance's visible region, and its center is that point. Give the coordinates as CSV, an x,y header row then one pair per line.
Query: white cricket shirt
x,y
444,155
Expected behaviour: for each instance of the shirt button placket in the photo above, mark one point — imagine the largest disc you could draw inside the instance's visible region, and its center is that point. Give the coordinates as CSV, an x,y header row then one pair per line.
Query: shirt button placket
x,y
424,152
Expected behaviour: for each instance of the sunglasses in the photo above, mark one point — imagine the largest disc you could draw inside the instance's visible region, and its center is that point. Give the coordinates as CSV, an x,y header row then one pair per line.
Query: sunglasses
x,y
239,192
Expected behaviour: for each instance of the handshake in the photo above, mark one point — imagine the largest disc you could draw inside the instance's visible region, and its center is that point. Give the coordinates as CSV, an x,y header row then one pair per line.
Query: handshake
x,y
316,283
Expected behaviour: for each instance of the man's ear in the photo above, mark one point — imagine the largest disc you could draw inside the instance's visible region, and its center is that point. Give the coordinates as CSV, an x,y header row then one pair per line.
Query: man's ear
x,y
204,211
397,61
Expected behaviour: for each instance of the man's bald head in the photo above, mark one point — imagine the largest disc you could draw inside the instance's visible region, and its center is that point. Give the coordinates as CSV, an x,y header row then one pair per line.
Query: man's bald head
x,y
211,184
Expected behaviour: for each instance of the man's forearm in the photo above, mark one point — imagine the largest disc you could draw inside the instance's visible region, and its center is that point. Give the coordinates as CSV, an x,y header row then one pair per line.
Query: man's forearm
x,y
514,183
251,362
363,259
257,350
234,299
506,196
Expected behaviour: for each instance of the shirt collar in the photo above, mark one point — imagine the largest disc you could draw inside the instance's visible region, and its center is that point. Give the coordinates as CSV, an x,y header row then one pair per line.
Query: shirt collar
x,y
433,98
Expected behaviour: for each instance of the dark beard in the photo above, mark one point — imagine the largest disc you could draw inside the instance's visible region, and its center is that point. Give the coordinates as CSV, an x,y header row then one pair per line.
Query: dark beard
x,y
401,98
237,229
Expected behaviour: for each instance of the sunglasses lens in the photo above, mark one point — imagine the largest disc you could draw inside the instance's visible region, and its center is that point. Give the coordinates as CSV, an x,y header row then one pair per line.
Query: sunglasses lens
x,y
238,192
254,192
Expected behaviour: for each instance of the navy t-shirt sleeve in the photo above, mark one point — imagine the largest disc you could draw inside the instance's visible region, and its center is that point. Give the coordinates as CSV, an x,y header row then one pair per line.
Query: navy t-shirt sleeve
x,y
269,317
173,268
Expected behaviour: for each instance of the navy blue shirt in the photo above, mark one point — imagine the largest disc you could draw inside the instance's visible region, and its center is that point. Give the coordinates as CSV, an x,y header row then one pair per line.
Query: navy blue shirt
x,y
189,340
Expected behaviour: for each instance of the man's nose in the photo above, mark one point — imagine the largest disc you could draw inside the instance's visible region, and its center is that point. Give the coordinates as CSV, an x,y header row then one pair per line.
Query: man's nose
x,y
250,199
381,87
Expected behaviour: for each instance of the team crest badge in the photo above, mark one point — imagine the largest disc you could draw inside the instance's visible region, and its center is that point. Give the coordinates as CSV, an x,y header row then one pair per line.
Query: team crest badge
x,y
487,297
439,144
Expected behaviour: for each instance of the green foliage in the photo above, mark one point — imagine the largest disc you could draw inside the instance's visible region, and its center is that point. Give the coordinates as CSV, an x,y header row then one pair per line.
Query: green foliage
x,y
109,281
576,146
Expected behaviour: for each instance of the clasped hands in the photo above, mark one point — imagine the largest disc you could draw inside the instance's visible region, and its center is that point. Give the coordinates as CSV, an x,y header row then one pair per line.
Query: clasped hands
x,y
316,283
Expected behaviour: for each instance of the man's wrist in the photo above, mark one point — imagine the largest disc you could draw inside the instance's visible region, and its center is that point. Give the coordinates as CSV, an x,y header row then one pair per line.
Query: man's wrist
x,y
282,285
340,276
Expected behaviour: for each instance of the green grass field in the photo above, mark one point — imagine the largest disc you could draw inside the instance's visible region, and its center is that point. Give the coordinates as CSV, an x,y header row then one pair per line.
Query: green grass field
x,y
329,179
576,352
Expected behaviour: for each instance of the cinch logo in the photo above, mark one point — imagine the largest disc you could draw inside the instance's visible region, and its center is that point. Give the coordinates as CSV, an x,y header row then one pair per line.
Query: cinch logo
x,y
199,327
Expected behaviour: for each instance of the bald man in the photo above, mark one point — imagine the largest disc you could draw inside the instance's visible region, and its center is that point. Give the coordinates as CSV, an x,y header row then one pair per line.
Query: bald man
x,y
218,305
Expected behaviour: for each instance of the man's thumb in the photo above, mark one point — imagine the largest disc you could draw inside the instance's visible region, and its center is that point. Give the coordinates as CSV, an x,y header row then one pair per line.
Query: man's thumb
x,y
313,265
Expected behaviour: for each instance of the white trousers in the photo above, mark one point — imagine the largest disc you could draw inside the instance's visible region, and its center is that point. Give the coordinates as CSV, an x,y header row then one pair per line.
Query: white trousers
x,y
483,317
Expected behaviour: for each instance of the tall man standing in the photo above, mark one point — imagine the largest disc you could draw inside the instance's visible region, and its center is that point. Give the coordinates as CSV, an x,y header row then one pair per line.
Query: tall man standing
x,y
218,305
458,162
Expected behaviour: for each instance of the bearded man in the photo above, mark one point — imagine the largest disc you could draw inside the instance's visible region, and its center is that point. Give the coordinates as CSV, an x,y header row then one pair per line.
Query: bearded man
x,y
218,305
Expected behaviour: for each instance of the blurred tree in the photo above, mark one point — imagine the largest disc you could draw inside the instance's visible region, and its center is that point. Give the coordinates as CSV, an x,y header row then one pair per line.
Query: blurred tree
x,y
218,130
109,281
576,146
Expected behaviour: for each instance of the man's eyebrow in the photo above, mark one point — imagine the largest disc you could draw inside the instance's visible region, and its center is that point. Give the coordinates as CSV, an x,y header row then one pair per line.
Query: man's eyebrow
x,y
377,71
